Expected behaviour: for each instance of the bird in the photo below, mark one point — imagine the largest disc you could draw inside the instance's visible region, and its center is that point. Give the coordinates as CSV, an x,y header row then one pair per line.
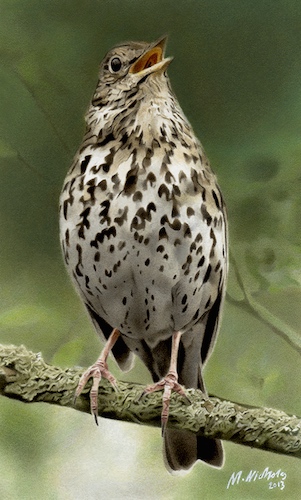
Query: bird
x,y
143,230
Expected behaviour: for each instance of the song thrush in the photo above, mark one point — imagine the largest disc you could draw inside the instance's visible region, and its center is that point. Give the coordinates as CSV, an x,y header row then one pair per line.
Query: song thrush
x,y
143,232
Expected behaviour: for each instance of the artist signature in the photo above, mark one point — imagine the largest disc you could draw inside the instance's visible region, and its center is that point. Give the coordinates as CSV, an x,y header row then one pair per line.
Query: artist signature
x,y
274,479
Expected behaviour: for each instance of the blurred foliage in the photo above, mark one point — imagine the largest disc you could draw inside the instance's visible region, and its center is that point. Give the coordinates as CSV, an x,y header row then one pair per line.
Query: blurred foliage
x,y
236,73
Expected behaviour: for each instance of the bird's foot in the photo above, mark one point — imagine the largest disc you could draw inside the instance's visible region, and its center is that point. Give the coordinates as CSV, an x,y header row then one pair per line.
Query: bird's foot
x,y
97,371
168,384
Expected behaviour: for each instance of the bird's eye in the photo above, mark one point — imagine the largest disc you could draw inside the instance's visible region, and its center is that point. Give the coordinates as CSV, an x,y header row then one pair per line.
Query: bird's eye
x,y
115,64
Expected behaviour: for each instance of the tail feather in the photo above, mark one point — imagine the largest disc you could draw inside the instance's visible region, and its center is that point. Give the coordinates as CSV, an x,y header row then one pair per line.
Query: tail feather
x,y
179,450
210,451
183,448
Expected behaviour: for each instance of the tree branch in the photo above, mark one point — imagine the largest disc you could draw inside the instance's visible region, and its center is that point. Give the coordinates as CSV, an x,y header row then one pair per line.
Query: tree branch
x,y
249,304
25,376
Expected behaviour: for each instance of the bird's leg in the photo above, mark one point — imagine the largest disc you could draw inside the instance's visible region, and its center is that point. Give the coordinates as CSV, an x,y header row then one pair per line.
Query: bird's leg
x,y
169,383
98,371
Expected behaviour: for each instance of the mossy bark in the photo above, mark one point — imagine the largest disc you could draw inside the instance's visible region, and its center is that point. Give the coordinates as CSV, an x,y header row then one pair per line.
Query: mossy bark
x,y
25,376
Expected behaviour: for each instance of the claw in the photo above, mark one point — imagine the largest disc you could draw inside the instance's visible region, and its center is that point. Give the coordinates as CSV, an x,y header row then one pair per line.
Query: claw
x,y
96,418
167,384
165,408
158,386
98,371
94,394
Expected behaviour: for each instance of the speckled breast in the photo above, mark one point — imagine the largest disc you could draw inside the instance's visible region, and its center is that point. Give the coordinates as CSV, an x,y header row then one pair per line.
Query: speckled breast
x,y
143,236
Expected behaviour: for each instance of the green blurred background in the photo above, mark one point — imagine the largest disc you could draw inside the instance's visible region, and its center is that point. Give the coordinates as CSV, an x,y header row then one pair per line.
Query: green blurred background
x,y
236,73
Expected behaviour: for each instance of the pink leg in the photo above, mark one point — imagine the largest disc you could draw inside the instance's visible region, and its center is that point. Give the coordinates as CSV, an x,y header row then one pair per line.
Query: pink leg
x,y
98,370
169,383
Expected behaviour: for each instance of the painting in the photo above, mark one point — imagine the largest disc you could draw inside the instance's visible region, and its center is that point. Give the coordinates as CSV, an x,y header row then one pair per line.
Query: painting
x,y
236,72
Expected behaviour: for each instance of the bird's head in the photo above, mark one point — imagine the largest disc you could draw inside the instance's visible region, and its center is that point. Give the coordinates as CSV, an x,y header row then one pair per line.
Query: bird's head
x,y
127,69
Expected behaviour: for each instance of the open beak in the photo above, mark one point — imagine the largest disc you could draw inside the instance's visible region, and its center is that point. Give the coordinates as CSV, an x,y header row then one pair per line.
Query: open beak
x,y
152,60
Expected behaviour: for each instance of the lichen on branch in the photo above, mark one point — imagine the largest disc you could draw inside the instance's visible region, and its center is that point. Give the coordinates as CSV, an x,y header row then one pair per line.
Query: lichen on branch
x,y
25,376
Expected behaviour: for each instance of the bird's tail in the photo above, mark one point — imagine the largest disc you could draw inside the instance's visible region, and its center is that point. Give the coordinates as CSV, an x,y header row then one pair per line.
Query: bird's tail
x,y
183,448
